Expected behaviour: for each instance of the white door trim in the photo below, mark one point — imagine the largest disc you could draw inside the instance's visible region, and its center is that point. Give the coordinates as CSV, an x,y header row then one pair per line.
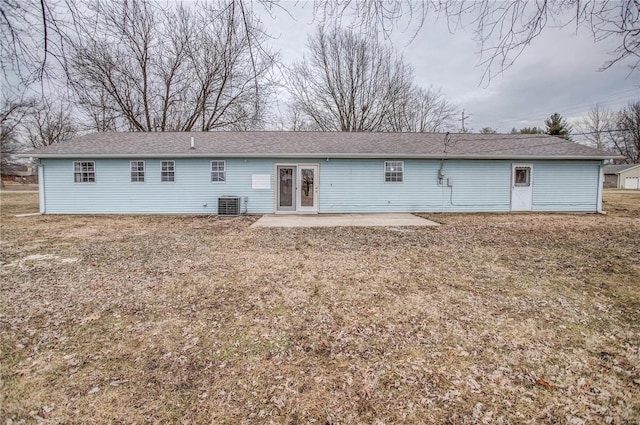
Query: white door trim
x,y
298,167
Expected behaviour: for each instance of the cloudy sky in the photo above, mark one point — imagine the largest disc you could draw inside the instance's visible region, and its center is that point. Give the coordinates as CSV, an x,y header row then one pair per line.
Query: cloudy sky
x,y
558,71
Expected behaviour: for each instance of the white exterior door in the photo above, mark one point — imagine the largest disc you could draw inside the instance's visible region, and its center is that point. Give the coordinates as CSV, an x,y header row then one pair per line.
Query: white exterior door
x,y
286,189
521,187
297,188
307,191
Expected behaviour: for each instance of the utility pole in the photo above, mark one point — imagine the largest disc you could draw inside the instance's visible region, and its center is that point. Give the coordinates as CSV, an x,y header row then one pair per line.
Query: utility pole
x,y
464,130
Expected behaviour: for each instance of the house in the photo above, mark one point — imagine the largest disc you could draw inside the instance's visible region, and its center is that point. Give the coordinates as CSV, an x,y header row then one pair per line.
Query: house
x,y
19,173
317,172
625,176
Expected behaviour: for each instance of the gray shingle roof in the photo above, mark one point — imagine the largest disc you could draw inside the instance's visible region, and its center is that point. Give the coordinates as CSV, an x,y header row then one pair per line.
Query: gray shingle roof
x,y
318,145
617,169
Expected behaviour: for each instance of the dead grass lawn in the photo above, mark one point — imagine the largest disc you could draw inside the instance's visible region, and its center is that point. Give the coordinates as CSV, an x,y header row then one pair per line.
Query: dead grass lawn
x,y
496,319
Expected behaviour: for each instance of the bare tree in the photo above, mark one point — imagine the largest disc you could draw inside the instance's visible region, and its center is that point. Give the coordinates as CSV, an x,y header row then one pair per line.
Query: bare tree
x,y
46,124
32,30
113,60
625,137
231,75
424,110
596,125
503,29
175,69
12,114
24,46
348,82
295,120
100,113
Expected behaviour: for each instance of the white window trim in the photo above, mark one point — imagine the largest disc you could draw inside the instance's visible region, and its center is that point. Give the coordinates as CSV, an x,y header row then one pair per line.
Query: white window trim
x,y
224,164
174,172
144,171
384,169
529,172
95,174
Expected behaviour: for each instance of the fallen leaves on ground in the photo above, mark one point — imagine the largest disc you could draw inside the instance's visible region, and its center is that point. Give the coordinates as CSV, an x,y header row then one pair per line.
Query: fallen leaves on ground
x,y
489,319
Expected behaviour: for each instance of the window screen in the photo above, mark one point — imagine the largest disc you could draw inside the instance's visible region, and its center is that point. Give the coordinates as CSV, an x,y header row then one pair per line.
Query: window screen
x,y
393,171
137,171
218,171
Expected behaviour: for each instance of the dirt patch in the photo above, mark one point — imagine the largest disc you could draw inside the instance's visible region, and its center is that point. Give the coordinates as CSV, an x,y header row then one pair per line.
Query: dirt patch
x,y
489,318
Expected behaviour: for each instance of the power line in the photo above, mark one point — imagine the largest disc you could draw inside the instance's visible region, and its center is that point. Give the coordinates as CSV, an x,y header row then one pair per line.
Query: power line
x,y
629,93
567,109
618,96
614,130
533,118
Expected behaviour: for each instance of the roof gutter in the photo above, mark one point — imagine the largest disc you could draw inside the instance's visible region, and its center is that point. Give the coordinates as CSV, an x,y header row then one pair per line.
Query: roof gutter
x,y
308,155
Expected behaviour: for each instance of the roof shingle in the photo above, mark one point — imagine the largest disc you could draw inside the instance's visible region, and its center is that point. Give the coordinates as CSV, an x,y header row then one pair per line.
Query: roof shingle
x,y
319,145
617,169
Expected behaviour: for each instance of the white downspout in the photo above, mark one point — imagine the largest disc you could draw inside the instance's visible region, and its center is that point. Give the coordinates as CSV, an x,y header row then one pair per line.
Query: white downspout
x,y
41,196
600,187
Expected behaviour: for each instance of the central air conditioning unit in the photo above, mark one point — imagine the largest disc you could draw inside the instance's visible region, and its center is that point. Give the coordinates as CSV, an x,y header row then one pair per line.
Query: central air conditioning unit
x,y
229,206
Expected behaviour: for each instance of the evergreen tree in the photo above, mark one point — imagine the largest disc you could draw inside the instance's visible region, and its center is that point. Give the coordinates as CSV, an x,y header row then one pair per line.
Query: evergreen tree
x,y
558,126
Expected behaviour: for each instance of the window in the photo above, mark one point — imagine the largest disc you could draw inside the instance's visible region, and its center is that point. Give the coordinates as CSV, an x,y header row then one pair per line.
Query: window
x,y
218,171
137,171
84,171
522,176
167,171
393,171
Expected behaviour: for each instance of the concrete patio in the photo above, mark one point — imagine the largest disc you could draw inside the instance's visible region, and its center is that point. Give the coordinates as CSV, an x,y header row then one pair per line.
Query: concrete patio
x,y
342,220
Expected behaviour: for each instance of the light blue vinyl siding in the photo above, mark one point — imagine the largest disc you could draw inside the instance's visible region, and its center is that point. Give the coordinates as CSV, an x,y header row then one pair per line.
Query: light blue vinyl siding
x,y
359,186
565,186
114,193
476,186
346,185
